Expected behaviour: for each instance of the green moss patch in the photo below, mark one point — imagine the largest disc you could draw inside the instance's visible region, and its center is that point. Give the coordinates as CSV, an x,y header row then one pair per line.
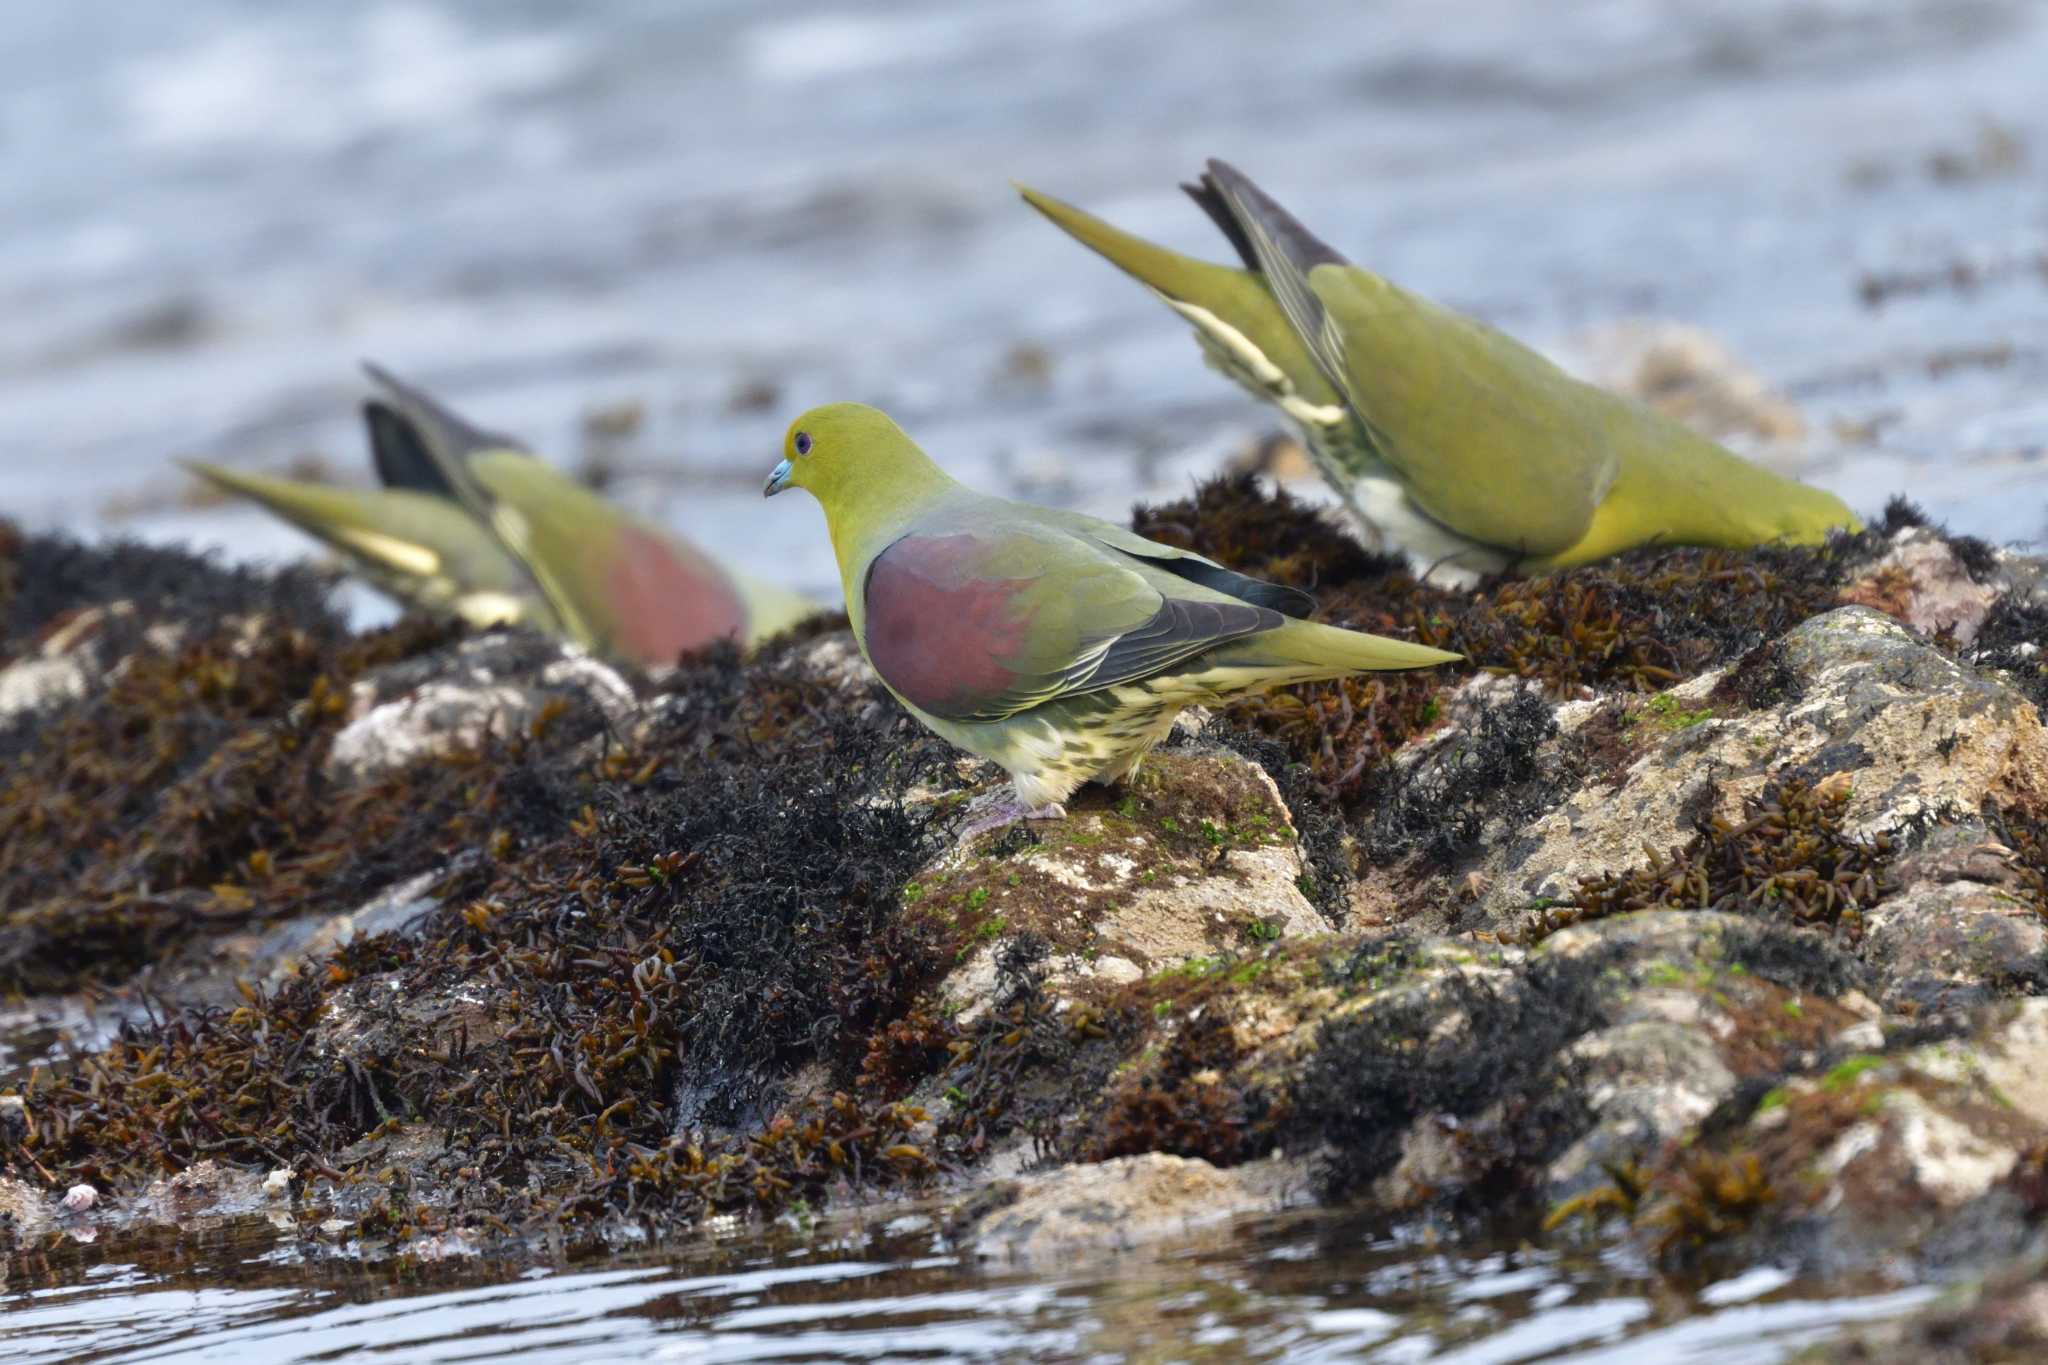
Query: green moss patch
x,y
1066,881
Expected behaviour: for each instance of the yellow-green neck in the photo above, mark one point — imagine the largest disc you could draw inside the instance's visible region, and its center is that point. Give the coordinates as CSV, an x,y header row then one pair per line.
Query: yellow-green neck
x,y
865,515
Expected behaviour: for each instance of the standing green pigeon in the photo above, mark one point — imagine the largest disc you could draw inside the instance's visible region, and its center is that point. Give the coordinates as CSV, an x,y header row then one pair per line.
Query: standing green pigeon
x,y
1446,439
1055,645
472,523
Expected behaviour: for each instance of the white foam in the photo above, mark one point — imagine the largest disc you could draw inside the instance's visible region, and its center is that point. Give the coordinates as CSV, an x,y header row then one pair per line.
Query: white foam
x,y
795,50
283,82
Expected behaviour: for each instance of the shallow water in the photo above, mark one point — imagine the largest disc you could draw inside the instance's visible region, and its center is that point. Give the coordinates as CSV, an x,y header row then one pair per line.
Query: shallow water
x,y
1286,1287
726,211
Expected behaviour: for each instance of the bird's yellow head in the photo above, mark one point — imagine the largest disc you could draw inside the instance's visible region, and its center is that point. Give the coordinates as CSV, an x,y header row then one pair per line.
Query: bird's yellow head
x,y
850,455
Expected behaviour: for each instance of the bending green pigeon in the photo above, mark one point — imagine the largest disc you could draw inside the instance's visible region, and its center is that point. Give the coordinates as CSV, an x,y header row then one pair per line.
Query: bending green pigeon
x,y
472,523
1446,439
421,549
1058,646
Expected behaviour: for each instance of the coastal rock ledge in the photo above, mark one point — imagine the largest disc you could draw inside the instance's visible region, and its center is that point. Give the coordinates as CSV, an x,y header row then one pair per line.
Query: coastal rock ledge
x,y
1703,910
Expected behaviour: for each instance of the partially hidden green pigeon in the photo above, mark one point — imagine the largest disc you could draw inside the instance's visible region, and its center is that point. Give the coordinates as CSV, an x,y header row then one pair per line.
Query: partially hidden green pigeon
x,y
1058,646
423,550
473,524
1446,439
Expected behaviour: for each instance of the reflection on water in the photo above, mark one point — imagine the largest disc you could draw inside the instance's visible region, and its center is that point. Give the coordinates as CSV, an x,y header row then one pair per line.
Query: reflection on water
x,y
1295,1287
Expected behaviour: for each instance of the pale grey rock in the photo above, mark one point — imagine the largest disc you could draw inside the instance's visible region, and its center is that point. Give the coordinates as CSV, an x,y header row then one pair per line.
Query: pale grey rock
x,y
1127,1204
493,687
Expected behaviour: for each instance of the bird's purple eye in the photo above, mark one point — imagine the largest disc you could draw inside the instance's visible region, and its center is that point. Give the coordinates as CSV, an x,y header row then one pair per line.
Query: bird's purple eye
x,y
803,443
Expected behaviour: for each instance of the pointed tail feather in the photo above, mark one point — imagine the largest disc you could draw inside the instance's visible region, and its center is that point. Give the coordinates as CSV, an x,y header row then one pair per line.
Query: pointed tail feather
x,y
1235,315
415,546
1181,278
1303,651
317,509
445,431
1228,191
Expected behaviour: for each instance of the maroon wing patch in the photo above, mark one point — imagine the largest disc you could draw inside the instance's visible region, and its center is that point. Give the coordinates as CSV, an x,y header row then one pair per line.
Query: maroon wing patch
x,y
938,634
663,601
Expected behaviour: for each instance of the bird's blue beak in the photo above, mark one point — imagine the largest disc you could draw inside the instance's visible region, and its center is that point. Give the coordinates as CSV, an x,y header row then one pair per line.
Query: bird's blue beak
x,y
778,479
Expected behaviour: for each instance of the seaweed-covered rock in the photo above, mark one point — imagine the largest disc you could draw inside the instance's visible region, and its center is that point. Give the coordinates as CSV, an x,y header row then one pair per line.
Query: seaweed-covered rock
x,y
1919,1152
492,688
1901,731
1703,908
1198,855
1686,1022
1942,946
51,676
1933,584
26,1212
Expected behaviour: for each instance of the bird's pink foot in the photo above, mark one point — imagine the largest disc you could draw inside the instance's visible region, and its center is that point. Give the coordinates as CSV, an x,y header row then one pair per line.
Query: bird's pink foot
x,y
1008,810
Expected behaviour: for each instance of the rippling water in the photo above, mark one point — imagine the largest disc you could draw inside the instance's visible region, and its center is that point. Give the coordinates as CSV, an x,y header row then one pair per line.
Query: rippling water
x,y
726,211
1294,1288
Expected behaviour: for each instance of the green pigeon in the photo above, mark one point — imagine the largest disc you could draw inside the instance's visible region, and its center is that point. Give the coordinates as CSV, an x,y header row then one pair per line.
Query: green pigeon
x,y
420,549
1055,645
1446,439
472,523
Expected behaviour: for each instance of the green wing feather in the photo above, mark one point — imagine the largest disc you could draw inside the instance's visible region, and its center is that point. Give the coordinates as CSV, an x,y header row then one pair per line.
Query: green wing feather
x,y
1098,624
1185,564
990,618
1490,438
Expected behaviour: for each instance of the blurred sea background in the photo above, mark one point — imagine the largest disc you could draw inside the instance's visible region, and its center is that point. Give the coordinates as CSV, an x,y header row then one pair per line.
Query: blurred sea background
x,y
642,236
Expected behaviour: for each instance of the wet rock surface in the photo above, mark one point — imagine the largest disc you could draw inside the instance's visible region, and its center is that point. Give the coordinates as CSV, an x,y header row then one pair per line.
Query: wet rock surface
x,y
2001,1317
1703,911
1123,1204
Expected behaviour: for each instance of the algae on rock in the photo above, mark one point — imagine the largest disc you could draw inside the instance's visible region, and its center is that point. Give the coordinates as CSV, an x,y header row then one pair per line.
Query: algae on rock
x,y
1701,909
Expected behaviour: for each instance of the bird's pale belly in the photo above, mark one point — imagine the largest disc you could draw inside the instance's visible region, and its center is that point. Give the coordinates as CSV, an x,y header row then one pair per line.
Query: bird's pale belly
x,y
1052,749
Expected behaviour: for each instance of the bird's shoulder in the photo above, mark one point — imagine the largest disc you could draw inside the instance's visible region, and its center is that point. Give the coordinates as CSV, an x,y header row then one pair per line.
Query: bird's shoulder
x,y
976,617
